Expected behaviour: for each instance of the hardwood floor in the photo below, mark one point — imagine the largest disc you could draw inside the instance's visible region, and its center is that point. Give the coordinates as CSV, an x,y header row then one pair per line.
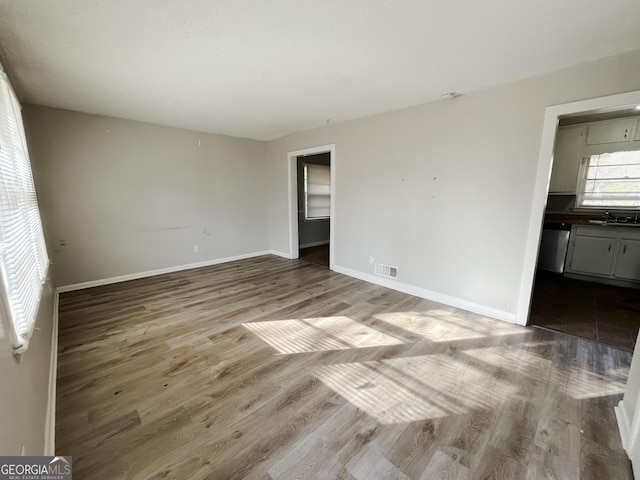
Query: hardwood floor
x,y
270,368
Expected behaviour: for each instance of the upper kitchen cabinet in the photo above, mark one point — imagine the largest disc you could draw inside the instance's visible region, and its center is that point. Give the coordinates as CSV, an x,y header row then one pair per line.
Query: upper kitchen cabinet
x,y
610,132
566,159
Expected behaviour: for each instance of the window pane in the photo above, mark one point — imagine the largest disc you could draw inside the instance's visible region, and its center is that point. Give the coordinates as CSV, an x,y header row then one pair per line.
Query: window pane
x,y
614,171
612,180
23,256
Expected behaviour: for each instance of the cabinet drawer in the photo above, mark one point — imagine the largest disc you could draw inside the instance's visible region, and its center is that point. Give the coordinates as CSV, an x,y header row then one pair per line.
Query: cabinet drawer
x,y
630,233
602,232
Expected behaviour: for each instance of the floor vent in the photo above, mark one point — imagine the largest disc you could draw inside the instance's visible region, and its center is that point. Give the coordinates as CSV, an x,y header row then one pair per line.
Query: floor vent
x,y
386,270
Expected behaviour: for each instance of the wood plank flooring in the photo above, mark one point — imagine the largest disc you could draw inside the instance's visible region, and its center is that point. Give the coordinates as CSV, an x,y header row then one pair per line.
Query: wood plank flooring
x,y
270,368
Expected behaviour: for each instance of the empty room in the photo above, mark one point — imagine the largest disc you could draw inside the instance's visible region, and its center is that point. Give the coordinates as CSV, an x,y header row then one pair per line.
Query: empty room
x,y
320,239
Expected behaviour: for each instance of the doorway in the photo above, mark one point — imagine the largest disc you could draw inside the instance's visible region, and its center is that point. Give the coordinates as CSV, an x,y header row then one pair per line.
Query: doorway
x,y
584,284
314,207
553,115
312,204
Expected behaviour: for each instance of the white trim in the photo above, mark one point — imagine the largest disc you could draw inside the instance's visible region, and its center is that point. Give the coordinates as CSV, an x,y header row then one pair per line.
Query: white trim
x,y
629,432
160,271
429,295
280,254
50,422
292,182
315,244
624,425
543,176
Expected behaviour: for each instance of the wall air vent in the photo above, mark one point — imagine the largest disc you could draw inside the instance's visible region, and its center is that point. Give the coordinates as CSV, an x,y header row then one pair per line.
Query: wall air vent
x,y
386,271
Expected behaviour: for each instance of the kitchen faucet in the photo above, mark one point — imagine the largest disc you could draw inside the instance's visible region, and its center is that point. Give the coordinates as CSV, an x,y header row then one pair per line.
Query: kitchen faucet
x,y
608,217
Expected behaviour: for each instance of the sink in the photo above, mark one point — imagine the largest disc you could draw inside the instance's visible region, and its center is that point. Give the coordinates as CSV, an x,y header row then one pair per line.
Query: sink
x,y
598,222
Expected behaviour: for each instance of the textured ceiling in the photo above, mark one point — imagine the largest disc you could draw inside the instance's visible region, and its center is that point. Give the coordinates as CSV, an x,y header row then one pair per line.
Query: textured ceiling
x,y
262,69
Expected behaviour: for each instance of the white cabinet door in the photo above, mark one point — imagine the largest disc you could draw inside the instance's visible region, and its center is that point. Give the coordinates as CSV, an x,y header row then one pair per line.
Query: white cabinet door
x,y
566,160
609,132
628,263
593,255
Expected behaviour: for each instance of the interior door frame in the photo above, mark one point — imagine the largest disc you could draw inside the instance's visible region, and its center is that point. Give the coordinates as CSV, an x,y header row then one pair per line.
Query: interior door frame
x,y
292,166
543,177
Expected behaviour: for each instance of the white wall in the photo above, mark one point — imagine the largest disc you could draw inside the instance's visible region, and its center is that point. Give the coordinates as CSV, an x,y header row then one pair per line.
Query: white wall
x,y
127,197
23,401
444,190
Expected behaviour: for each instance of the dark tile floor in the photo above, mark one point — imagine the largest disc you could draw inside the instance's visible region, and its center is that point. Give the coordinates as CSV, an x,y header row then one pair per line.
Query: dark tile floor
x,y
318,255
590,310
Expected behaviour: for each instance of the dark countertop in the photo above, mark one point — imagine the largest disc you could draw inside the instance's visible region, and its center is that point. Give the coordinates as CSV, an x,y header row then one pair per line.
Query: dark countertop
x,y
570,218
583,219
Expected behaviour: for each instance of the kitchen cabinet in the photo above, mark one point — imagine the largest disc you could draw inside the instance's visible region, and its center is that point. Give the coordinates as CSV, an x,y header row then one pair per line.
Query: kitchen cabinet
x,y
609,132
566,159
593,255
628,261
609,253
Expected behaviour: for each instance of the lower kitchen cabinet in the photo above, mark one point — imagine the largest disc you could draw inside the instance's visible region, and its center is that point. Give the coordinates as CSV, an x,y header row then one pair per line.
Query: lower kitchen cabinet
x,y
593,255
605,253
628,261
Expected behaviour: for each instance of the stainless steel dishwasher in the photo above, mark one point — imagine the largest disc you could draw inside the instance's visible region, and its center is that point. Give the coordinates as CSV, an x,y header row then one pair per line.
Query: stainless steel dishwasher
x,y
553,247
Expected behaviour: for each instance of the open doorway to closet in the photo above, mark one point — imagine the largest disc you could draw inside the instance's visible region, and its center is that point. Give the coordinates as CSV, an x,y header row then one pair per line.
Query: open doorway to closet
x,y
314,207
312,204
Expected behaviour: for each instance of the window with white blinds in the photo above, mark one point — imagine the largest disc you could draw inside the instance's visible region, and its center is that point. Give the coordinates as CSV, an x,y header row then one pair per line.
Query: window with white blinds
x,y
317,191
611,180
23,255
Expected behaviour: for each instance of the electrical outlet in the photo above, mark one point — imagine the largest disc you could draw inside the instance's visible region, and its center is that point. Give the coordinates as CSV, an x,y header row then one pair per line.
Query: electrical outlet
x,y
196,248
372,260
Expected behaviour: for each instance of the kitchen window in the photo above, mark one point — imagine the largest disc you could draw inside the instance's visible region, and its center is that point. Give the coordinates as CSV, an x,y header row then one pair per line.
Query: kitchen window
x,y
611,180
23,255
317,191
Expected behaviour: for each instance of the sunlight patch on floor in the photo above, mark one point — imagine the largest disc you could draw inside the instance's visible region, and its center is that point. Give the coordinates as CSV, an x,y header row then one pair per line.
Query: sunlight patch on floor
x,y
319,334
581,384
535,360
415,388
440,325
527,359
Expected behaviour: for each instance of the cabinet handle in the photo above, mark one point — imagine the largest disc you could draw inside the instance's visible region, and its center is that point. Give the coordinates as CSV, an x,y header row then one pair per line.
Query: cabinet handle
x,y
626,132
624,250
609,248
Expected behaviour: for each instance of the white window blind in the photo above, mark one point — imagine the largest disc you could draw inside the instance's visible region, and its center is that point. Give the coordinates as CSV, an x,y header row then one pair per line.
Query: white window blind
x,y
612,180
23,255
317,191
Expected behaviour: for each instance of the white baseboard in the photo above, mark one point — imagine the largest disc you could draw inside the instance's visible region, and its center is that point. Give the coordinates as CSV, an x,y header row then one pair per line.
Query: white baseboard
x,y
50,422
624,425
429,295
315,244
160,271
280,254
